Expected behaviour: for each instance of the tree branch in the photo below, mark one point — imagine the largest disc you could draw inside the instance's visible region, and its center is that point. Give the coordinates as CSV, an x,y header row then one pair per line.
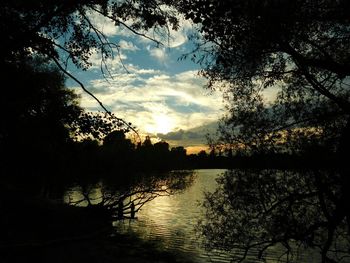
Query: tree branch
x,y
326,64
125,25
94,97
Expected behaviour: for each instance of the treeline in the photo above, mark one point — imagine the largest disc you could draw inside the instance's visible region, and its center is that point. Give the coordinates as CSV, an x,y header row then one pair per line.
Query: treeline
x,y
118,153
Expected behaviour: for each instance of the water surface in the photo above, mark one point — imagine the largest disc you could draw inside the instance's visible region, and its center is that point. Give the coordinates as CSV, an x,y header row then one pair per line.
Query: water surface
x,y
170,221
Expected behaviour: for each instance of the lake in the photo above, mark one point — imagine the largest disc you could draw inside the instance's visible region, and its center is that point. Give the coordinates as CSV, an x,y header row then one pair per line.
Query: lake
x,y
171,221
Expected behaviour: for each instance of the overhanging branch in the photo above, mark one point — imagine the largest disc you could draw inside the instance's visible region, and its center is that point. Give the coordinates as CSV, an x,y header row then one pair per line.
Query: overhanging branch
x,y
94,97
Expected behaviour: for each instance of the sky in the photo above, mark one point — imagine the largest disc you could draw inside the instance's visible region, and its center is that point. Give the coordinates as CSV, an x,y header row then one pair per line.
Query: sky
x,y
151,87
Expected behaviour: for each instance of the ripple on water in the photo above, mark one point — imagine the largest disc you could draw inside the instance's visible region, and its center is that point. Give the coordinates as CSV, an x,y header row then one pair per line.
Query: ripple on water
x,y
171,220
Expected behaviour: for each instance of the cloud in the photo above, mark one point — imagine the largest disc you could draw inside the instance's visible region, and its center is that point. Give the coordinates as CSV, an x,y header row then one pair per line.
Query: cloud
x,y
168,36
158,53
149,85
270,93
181,135
108,27
127,41
173,136
173,39
146,97
119,56
112,63
103,24
127,46
190,138
179,37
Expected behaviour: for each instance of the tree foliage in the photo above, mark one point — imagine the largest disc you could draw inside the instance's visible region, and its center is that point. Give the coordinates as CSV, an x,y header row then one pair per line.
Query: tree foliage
x,y
297,50
41,126
36,101
50,27
284,68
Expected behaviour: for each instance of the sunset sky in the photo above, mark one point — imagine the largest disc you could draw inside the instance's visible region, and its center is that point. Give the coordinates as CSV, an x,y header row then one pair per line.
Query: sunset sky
x,y
160,94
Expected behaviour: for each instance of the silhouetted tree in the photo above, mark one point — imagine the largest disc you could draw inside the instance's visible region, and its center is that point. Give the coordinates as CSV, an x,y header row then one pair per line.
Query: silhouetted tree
x,y
95,126
298,51
147,143
162,147
34,132
43,128
202,154
118,196
178,151
117,141
162,156
202,157
118,154
178,157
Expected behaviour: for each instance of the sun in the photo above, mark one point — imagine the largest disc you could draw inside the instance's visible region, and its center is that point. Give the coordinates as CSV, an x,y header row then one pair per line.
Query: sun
x,y
162,123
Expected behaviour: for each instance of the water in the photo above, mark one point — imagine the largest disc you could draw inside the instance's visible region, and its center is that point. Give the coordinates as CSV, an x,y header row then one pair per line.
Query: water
x,y
171,220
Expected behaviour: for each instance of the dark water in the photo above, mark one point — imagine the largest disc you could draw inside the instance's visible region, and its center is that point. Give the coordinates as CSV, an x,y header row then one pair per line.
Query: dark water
x,y
171,221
